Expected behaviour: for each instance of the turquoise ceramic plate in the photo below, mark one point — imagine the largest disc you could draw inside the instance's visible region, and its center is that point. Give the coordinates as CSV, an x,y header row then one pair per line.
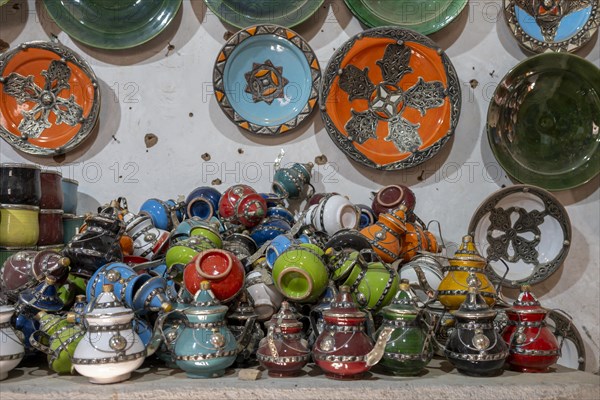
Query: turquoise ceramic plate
x,y
558,25
543,122
112,24
424,16
243,13
266,79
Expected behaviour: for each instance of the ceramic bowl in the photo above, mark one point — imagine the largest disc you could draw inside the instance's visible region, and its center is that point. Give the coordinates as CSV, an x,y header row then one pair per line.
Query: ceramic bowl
x,y
69,189
19,225
424,273
52,195
221,268
332,214
20,184
203,202
280,244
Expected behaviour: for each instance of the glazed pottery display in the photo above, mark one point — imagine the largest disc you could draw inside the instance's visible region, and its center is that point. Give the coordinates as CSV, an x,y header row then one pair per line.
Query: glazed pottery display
x,y
386,235
69,189
241,204
474,348
52,195
19,225
290,182
466,266
242,322
300,273
221,268
149,242
531,136
560,25
266,79
59,86
390,98
110,349
531,344
109,25
203,202
332,214
11,343
391,197
50,227
20,184
343,350
265,296
284,352
71,226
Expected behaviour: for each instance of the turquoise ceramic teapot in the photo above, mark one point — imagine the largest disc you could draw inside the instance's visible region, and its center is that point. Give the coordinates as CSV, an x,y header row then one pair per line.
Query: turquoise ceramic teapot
x,y
202,346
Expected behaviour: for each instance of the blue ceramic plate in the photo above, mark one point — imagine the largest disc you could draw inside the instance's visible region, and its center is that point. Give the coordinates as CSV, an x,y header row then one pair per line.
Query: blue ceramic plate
x,y
266,79
561,25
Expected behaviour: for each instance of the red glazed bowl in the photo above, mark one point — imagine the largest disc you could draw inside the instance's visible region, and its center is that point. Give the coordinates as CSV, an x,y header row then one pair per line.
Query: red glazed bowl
x,y
221,268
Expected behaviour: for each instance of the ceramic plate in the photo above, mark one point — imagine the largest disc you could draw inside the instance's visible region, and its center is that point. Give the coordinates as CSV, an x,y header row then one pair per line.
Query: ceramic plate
x,y
49,98
390,98
543,122
527,228
425,17
109,24
266,79
244,13
558,25
573,347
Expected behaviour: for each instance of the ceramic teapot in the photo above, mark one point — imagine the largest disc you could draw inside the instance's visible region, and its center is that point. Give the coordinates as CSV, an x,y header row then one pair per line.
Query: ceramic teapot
x,y
11,343
290,182
247,331
386,234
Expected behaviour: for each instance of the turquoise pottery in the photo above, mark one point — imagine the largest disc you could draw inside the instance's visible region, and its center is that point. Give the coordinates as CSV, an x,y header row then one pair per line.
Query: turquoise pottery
x,y
205,347
69,189
71,225
290,182
241,13
125,280
160,212
266,79
111,24
300,273
151,296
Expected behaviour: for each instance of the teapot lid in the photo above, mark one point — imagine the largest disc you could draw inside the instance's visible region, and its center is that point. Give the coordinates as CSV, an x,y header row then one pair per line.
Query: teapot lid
x,y
106,304
43,297
404,302
205,302
285,318
474,306
244,309
343,306
468,252
527,302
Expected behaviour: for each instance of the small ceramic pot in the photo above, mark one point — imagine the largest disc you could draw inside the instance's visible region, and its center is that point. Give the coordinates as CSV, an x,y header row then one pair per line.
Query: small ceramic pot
x,y
393,196
20,184
300,273
180,254
19,225
241,204
291,182
367,216
51,227
332,214
415,240
265,296
243,246
163,215
149,242
11,349
16,271
183,230
50,263
52,195
71,226
280,212
203,202
280,244
208,234
221,268
69,189
268,229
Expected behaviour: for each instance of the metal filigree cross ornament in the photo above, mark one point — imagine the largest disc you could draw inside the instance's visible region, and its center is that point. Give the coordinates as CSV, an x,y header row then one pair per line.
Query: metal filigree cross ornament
x,y
266,82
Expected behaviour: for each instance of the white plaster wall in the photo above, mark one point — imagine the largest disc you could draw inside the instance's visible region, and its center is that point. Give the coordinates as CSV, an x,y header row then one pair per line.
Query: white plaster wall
x,y
151,89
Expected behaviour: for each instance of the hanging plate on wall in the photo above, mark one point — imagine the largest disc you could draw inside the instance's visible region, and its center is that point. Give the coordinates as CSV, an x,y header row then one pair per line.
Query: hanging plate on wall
x,y
425,17
244,13
559,25
390,98
49,98
527,228
266,79
113,25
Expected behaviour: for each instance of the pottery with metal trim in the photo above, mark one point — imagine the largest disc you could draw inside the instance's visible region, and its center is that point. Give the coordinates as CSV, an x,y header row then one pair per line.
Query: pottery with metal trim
x,y
69,188
110,349
20,184
50,99
50,263
203,202
572,349
12,350
181,253
443,323
424,273
164,214
241,204
279,245
19,225
149,242
269,229
51,227
208,233
317,323
367,216
265,296
52,195
16,271
243,323
290,182
241,245
279,211
183,230
417,239
71,226
332,214
386,235
391,197
221,268
172,325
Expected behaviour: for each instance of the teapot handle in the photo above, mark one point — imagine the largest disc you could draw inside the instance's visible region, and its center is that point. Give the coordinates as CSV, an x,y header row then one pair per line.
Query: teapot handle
x,y
246,335
271,342
432,328
158,335
36,344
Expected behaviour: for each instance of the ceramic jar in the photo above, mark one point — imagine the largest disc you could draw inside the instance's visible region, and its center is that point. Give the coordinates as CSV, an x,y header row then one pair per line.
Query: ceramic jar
x,y
242,245
69,189
241,204
11,343
392,197
474,347
149,242
242,322
283,352
221,268
300,273
269,229
110,350
51,227
265,296
367,216
409,348
19,225
291,182
332,214
466,266
71,226
204,347
20,184
343,350
417,239
52,195
164,214
16,271
532,345
386,234
280,244
203,203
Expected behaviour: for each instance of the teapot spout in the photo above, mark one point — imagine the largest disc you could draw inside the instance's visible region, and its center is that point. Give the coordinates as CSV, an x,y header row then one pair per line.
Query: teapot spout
x,y
377,353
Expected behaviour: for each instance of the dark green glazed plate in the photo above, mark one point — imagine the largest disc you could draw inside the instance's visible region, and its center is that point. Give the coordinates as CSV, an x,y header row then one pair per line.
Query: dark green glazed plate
x,y
424,16
245,13
112,24
543,122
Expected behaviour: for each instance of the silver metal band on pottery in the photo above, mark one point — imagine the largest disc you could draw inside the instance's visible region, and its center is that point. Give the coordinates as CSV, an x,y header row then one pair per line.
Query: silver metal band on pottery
x,y
375,243
344,328
400,323
282,360
12,356
452,268
408,357
386,290
109,328
108,304
528,324
202,357
287,336
565,328
332,358
473,325
64,344
477,357
464,293
109,360
153,293
542,353
203,325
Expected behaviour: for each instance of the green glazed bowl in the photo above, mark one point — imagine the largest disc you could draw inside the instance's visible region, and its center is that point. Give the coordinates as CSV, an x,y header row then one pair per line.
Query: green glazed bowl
x,y
112,24
207,235
376,289
300,273
543,123
424,16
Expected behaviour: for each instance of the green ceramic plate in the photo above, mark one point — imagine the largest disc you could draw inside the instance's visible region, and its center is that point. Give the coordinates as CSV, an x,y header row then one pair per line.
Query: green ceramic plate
x,y
112,24
543,122
424,16
244,13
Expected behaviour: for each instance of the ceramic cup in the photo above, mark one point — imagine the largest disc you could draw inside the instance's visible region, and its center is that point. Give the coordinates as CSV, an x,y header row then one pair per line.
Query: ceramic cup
x,y
69,189
51,227
332,214
221,268
280,244
266,298
20,184
392,197
71,225
19,225
203,202
52,194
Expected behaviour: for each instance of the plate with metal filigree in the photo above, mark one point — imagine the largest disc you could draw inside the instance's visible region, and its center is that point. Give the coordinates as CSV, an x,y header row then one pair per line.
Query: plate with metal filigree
x,y
50,98
572,346
557,25
525,227
266,79
390,98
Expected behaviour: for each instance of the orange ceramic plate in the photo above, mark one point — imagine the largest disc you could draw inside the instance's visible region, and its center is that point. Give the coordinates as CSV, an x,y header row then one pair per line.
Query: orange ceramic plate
x,y
49,99
390,98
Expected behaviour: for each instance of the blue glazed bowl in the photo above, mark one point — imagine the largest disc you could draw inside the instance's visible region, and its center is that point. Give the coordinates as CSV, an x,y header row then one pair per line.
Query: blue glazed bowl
x,y
269,230
125,280
203,202
367,216
272,199
69,189
158,211
281,212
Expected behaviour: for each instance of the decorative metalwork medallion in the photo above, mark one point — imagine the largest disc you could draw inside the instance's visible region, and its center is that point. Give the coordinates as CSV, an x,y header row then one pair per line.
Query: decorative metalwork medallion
x,y
48,110
266,82
526,227
385,97
552,25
